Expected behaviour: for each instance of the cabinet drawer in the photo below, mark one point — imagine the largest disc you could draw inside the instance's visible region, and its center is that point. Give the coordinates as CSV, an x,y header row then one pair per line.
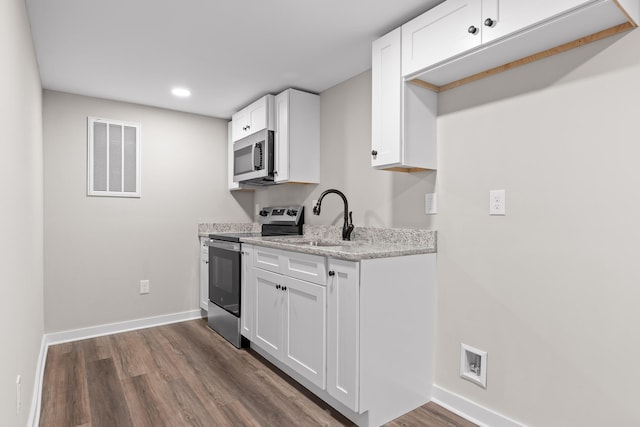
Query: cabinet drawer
x,y
303,266
268,259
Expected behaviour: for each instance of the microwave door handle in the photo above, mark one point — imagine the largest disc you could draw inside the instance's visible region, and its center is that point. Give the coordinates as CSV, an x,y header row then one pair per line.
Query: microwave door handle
x,y
257,156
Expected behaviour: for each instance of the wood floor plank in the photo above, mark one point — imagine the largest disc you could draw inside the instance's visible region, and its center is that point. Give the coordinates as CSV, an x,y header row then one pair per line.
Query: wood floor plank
x,y
203,375
69,404
130,355
108,404
430,415
185,374
143,401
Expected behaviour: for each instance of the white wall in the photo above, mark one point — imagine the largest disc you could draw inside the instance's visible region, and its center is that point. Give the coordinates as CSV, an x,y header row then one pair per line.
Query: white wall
x,y
97,249
551,290
21,304
377,198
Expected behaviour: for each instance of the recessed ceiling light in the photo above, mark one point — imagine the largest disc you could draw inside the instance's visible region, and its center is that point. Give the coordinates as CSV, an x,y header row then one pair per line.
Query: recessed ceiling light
x,y
181,92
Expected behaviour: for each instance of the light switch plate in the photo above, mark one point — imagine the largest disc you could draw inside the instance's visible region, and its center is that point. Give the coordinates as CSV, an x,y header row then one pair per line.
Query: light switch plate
x,y
430,203
497,202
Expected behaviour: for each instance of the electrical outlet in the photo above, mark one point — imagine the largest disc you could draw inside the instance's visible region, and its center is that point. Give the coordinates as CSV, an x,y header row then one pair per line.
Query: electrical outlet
x,y
473,365
257,210
144,286
18,393
497,202
430,204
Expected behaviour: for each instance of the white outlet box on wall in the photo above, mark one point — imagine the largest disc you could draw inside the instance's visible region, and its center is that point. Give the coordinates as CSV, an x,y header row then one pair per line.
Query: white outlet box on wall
x,y
144,286
497,202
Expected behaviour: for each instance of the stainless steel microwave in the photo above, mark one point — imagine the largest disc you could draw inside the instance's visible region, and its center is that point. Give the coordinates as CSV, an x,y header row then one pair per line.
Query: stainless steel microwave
x,y
253,159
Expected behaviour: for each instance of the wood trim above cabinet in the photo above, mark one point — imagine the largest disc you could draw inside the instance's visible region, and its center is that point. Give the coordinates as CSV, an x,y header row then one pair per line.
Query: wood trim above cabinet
x,y
407,170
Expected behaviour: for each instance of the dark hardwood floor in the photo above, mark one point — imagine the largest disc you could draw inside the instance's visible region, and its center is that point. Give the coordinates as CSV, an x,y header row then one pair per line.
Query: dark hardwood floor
x,y
184,374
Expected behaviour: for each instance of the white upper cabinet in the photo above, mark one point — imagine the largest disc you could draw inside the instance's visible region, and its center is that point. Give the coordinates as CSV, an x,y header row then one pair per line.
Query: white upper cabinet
x,y
440,33
297,138
503,17
253,118
461,38
403,133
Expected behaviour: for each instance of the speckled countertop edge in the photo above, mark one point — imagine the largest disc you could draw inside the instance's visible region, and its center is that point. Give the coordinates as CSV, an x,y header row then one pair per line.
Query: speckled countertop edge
x,y
366,243
204,229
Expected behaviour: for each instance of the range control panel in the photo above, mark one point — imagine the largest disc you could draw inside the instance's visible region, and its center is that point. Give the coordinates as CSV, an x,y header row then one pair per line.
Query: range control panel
x,y
281,215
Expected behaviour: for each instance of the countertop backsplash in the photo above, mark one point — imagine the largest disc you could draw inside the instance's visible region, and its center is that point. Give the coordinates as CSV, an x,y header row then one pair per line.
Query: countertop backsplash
x,y
408,236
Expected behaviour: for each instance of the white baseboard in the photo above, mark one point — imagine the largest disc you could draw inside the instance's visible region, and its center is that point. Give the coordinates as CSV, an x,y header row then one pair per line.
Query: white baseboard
x,y
114,328
470,410
91,332
36,399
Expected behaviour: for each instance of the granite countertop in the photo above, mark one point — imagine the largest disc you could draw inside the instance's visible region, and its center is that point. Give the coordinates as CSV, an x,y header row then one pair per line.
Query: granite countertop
x,y
366,243
204,229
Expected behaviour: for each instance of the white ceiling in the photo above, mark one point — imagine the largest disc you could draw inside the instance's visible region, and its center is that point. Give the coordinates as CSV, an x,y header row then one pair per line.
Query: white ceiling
x,y
228,53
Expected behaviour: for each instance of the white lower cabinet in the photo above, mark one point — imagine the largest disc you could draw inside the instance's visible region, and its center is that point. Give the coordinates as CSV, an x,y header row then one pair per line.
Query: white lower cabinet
x,y
246,302
204,274
361,332
343,332
290,317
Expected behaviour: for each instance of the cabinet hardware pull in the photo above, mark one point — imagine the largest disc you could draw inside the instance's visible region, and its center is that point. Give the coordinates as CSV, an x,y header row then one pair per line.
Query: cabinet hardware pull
x,y
277,286
489,22
206,262
374,153
472,30
332,273
284,288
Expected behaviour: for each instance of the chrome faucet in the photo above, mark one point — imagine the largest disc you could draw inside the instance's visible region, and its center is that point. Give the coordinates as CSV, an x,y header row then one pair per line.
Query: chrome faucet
x,y
347,226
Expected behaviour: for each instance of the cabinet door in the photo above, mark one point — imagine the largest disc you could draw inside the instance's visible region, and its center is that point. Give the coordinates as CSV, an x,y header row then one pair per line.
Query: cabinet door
x,y
509,16
386,143
247,294
239,123
343,332
440,33
268,311
204,275
252,118
281,166
304,329
257,115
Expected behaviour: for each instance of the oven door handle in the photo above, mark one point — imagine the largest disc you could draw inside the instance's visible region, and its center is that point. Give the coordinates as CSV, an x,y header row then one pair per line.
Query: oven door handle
x,y
229,246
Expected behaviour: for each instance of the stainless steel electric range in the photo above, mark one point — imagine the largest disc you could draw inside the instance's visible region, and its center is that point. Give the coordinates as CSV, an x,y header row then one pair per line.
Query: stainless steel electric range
x,y
225,268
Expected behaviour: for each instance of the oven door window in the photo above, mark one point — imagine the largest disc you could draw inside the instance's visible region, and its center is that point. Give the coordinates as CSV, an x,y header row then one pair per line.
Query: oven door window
x,y
224,279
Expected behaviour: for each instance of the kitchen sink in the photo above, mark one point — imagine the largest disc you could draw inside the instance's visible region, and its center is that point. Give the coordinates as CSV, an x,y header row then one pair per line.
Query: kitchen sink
x,y
312,242
318,243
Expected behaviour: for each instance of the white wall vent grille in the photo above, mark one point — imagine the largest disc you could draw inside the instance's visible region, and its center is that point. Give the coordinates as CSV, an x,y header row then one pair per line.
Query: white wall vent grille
x,y
113,158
